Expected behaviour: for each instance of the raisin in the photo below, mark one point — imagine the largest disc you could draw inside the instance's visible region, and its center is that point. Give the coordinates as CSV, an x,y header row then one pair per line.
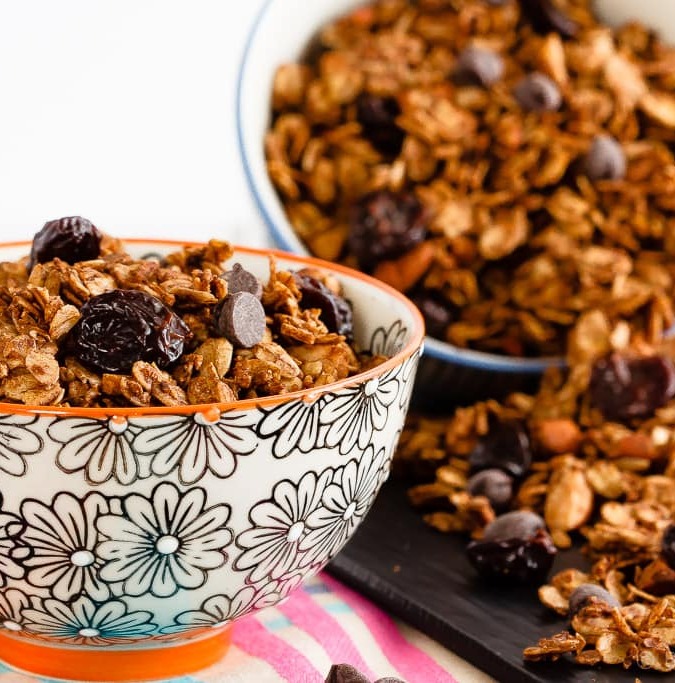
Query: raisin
x,y
546,17
668,546
336,312
385,225
624,387
377,116
506,447
494,484
70,239
515,559
583,593
120,327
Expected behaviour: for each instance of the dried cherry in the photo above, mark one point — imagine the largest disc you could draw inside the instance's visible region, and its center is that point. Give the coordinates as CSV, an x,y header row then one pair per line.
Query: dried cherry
x,y
377,116
437,315
385,225
70,239
514,559
336,312
121,327
506,447
624,387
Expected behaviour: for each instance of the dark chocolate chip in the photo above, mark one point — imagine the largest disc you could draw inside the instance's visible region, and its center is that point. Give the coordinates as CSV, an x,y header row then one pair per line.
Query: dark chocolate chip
x,y
537,92
479,66
494,484
520,524
241,280
606,159
583,593
345,673
241,319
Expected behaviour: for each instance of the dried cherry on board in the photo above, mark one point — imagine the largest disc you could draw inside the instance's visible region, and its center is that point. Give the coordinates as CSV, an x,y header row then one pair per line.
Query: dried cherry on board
x,y
120,327
515,547
623,387
506,447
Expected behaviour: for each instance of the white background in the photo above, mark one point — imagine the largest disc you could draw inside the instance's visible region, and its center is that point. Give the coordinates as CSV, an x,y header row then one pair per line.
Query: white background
x,y
123,111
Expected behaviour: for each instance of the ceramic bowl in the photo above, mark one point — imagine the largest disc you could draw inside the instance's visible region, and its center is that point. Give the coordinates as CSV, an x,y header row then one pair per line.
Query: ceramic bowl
x,y
129,533
448,375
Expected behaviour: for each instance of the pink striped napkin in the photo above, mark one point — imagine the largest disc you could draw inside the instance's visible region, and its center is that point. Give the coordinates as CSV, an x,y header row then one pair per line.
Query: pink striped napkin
x,y
321,624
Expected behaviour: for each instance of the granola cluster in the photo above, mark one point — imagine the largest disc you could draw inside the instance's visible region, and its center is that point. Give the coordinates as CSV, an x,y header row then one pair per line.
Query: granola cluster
x,y
507,164
592,453
42,305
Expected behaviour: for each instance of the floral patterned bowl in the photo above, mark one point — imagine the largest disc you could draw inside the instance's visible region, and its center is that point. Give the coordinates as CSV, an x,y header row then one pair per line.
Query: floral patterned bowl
x,y
128,533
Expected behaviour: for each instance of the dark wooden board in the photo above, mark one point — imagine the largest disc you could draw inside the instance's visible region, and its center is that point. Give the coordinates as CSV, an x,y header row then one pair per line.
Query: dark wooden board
x,y
423,577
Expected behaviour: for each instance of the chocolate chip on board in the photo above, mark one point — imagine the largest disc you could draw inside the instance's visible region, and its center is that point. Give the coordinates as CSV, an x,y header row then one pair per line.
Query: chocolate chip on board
x,y
241,319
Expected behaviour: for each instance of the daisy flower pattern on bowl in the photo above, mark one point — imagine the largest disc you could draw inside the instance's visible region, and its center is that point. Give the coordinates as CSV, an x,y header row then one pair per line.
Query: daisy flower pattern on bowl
x,y
163,543
357,412
16,441
85,622
294,426
389,342
345,502
11,552
12,604
219,610
207,441
101,448
272,545
63,539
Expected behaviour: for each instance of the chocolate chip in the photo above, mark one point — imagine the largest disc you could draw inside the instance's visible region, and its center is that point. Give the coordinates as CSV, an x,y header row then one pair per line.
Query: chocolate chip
x,y
345,673
240,280
537,92
584,592
545,17
478,66
241,319
605,159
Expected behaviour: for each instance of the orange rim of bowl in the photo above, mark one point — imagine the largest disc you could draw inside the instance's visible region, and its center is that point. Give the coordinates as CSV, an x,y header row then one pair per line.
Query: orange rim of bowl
x,y
415,342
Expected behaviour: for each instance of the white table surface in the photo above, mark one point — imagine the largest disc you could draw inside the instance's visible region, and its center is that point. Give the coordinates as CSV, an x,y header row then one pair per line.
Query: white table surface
x,y
122,111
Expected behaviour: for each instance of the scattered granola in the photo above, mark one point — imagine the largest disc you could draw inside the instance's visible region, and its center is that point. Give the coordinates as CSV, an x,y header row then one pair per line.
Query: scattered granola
x,y
590,457
508,164
112,330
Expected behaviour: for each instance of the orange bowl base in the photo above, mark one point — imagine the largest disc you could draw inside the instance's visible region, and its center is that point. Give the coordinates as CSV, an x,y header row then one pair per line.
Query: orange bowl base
x,y
166,661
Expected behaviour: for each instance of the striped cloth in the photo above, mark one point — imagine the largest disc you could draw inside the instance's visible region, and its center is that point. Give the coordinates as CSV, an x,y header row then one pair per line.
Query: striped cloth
x,y
321,624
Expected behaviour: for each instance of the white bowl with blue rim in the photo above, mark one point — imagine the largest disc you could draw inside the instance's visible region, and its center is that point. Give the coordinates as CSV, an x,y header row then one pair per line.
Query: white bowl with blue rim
x,y
447,375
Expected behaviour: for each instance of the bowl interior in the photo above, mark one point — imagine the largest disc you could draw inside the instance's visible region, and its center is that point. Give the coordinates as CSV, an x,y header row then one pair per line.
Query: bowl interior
x,y
266,49
385,322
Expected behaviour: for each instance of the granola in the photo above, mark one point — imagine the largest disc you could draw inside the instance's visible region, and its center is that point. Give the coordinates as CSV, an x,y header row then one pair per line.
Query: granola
x,y
600,440
208,345
540,158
